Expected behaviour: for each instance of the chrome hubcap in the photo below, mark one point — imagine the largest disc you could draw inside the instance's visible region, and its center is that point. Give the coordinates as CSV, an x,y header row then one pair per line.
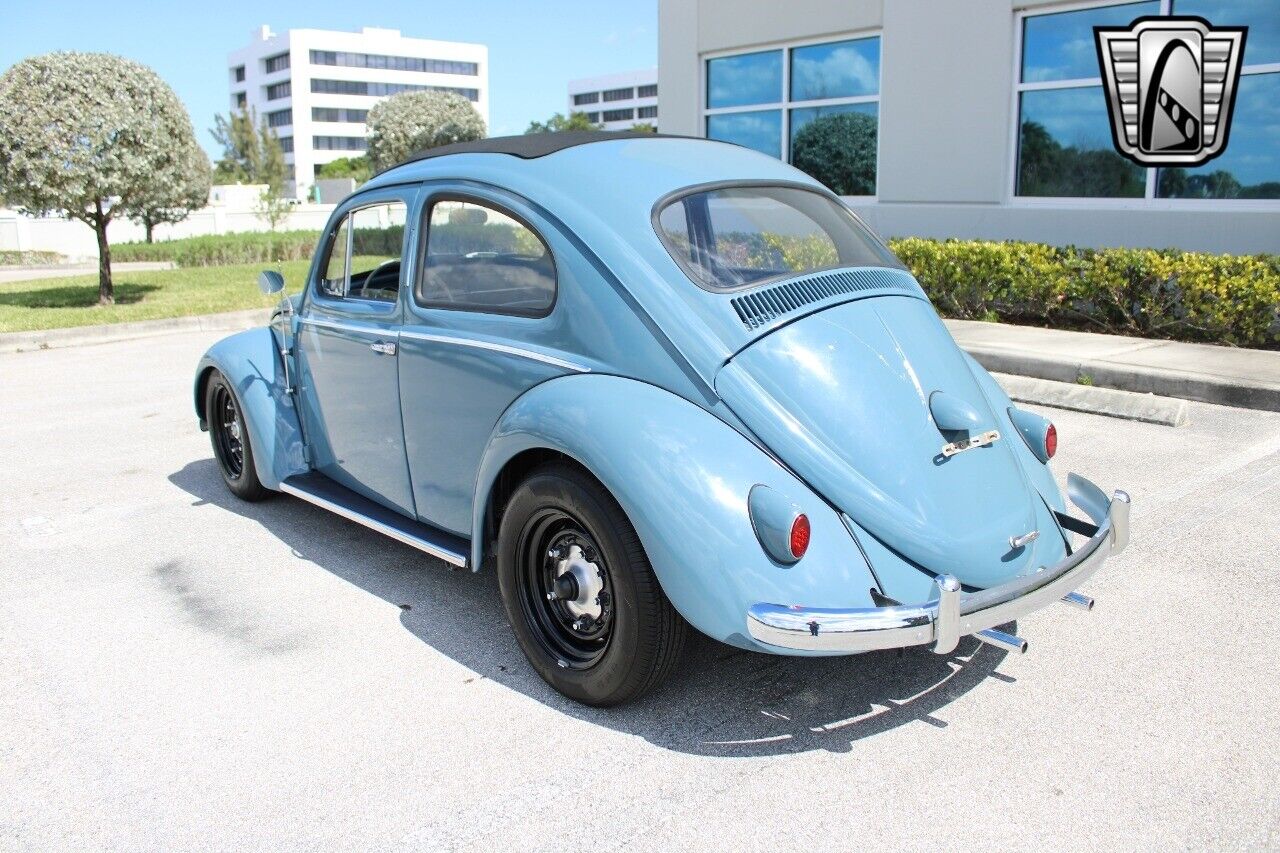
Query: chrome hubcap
x,y
578,583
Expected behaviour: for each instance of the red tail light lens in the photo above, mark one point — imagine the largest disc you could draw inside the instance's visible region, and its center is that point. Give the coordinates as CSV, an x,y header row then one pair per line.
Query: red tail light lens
x,y
800,536
1050,441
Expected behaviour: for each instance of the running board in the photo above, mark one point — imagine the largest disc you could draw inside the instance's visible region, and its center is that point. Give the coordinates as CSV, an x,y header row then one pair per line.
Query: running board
x,y
323,492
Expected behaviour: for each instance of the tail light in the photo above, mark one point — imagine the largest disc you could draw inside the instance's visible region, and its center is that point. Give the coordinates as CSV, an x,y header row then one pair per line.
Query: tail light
x,y
1038,432
783,530
800,536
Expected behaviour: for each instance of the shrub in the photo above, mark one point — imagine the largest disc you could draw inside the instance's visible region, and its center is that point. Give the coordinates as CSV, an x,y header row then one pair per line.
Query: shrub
x,y
214,250
1158,293
15,258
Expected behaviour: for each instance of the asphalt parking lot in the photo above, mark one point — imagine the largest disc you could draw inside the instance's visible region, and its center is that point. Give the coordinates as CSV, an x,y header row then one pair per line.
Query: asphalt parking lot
x,y
179,670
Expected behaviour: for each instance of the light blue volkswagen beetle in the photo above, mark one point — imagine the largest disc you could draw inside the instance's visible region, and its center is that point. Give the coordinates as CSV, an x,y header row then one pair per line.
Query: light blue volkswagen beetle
x,y
655,383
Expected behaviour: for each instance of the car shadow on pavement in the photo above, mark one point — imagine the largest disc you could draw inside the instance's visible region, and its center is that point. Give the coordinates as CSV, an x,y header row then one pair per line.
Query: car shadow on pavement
x,y
720,700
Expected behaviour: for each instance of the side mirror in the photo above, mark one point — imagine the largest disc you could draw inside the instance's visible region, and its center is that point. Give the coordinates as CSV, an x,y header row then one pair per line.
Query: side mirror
x,y
270,281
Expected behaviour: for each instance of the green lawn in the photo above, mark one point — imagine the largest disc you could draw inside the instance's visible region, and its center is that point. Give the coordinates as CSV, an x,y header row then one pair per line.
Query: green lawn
x,y
62,302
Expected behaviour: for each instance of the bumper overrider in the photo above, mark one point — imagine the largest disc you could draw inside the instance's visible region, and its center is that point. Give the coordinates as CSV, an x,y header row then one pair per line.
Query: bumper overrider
x,y
954,613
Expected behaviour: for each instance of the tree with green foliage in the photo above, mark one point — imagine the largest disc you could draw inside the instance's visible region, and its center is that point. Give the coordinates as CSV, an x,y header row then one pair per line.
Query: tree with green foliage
x,y
410,122
840,151
172,196
251,151
88,136
644,127
358,169
558,124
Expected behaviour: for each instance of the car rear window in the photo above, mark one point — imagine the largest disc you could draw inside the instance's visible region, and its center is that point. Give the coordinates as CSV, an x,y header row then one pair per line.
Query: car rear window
x,y
736,237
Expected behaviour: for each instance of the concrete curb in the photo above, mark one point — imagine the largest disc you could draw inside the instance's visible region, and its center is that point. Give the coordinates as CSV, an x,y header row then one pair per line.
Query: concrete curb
x,y
83,335
1099,401
1238,391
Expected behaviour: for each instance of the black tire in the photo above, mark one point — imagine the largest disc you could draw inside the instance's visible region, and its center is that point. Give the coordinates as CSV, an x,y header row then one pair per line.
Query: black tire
x,y
229,436
637,637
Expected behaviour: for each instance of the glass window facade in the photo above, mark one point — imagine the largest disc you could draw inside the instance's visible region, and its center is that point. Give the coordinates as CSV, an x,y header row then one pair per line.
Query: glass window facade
x,y
744,80
339,114
276,91
843,69
586,98
1064,133
286,144
280,118
647,112
339,143
342,59
823,119
237,74
758,129
650,91
619,115
620,94
361,87
276,63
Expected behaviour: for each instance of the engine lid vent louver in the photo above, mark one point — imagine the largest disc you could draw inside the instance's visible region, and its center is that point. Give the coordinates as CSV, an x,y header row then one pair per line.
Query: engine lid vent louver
x,y
763,306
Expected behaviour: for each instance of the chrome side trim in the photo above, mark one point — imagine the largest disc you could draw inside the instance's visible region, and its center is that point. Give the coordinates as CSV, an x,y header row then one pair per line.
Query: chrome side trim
x,y
344,327
493,346
953,614
451,557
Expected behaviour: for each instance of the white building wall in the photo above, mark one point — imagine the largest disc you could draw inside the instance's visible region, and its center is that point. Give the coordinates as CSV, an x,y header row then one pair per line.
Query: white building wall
x,y
298,44
947,114
231,209
632,80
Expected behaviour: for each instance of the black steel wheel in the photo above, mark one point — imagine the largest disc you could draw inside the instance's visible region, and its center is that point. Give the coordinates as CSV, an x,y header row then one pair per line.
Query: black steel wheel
x,y
224,422
230,439
580,593
565,588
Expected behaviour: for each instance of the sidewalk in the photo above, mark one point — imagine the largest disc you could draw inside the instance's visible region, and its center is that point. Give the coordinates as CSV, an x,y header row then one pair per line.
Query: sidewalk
x,y
11,274
1227,376
232,321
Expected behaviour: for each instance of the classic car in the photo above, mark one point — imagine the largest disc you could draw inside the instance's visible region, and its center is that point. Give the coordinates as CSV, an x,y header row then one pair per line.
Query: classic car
x,y
656,383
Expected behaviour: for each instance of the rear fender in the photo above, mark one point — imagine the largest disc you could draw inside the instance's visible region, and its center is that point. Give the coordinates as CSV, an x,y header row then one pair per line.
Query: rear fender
x,y
251,362
1038,472
683,477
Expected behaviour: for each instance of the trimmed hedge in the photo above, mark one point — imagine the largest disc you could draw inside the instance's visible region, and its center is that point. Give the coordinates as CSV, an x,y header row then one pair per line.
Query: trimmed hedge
x,y
1164,293
216,250
14,258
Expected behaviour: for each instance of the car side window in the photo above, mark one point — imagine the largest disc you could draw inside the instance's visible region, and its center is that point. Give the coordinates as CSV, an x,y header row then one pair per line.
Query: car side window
x,y
377,240
364,257
334,281
479,258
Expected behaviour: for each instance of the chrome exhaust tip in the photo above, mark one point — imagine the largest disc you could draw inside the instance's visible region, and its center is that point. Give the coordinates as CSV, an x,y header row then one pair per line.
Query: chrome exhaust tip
x,y
1001,640
1075,599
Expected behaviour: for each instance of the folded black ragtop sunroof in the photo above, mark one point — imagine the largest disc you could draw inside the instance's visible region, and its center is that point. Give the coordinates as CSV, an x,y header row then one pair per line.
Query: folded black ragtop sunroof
x,y
531,145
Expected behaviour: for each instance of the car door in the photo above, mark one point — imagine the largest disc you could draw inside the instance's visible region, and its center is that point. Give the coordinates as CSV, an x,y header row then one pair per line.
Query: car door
x,y
480,330
347,346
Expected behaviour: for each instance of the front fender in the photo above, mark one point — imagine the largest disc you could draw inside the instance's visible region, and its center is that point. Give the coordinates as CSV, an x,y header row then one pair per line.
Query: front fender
x,y
251,362
683,477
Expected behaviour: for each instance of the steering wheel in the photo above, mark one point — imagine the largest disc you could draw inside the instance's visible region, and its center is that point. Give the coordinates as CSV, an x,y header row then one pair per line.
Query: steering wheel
x,y
378,270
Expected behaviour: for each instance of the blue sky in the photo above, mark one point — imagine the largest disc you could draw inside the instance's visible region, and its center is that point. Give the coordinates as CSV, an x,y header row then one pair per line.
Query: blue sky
x,y
535,48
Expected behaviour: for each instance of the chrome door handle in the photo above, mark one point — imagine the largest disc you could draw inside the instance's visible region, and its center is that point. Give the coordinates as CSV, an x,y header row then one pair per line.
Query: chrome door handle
x,y
383,348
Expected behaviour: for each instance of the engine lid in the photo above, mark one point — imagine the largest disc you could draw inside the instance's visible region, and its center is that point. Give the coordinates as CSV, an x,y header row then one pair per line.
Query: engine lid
x,y
851,398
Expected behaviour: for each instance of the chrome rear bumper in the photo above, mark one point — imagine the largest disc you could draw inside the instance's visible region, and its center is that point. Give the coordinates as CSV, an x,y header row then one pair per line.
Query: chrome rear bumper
x,y
955,614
